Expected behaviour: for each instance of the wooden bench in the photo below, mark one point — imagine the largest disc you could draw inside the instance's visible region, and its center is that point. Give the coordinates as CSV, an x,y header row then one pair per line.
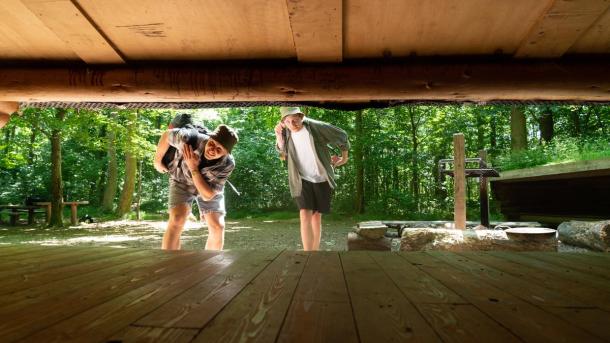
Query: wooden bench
x,y
14,211
73,209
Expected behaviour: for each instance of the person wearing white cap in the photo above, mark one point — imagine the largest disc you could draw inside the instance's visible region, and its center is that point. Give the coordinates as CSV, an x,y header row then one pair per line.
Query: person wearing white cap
x,y
303,143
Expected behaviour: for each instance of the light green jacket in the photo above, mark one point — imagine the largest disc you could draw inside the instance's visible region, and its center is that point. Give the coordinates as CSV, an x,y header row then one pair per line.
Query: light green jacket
x,y
322,135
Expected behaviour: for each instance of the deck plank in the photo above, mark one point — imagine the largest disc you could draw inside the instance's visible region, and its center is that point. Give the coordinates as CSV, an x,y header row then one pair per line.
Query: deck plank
x,y
60,300
588,281
582,262
256,314
526,321
198,305
45,272
11,251
107,318
381,311
321,309
572,288
149,334
450,315
519,287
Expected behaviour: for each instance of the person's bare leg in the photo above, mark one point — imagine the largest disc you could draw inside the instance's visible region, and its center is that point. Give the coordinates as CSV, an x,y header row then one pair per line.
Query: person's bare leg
x,y
306,234
216,230
177,218
316,229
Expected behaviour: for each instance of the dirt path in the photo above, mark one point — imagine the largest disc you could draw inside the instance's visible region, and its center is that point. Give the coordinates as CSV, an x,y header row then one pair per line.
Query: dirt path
x,y
240,234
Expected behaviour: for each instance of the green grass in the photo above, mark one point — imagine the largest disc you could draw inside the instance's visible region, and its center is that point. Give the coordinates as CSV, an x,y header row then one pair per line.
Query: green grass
x,y
558,151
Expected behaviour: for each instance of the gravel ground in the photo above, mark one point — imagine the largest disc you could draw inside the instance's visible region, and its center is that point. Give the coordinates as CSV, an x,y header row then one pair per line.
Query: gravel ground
x,y
239,234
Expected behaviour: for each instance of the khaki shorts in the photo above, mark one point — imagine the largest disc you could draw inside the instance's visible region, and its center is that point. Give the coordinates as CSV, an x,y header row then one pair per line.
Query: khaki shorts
x,y
179,193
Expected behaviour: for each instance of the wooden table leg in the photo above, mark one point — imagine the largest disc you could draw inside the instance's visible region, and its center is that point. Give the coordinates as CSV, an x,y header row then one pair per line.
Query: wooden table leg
x,y
14,215
48,208
73,218
30,216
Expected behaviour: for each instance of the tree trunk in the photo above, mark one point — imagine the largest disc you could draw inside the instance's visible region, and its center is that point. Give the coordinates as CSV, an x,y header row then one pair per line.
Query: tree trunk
x,y
139,199
575,119
593,235
359,163
129,183
518,131
546,125
57,186
493,141
414,164
112,174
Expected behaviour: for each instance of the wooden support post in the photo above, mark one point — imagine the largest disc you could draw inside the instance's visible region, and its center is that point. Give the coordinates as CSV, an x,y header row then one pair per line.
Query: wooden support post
x,y
483,197
459,181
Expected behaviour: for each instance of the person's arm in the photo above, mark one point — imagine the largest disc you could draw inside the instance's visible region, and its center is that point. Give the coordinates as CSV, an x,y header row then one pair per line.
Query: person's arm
x,y
162,147
339,161
279,140
192,161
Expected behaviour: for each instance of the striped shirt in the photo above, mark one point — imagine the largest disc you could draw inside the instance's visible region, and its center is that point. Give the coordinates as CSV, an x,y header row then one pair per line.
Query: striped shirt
x,y
215,174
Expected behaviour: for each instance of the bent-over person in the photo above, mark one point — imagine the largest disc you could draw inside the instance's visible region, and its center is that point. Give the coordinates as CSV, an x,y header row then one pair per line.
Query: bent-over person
x,y
199,170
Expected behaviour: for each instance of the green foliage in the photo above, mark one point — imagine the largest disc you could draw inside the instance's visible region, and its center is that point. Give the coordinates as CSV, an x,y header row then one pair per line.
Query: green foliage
x,y
401,149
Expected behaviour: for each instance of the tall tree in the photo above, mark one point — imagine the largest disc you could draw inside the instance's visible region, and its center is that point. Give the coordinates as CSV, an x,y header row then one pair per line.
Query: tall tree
x,y
129,182
518,131
359,163
414,119
545,121
112,169
57,186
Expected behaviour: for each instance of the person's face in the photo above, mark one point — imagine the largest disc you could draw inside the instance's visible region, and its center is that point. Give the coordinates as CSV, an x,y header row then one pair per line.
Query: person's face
x,y
214,150
293,122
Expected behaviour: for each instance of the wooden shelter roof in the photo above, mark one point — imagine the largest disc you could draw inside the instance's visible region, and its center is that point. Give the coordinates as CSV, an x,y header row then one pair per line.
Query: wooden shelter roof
x,y
129,34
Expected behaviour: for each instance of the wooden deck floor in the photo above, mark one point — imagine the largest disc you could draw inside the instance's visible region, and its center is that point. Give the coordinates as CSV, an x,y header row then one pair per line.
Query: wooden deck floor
x,y
59,294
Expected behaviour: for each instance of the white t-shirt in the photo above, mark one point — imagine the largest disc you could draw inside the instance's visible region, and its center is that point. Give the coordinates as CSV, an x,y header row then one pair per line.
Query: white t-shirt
x,y
306,157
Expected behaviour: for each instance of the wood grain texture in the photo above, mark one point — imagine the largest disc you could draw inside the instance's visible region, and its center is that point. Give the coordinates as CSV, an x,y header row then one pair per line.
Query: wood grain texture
x,y
359,81
596,40
257,312
317,29
73,27
528,322
382,312
560,27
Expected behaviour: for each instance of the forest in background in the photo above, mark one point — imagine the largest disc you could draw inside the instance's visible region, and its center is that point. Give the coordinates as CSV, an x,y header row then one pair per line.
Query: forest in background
x,y
105,156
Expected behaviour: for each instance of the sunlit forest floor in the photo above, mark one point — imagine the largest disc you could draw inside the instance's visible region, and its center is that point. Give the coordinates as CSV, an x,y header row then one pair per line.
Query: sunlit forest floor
x,y
239,234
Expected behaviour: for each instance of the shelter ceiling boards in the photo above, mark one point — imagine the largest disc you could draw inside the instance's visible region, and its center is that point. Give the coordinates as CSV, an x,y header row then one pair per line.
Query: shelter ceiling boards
x,y
72,26
437,27
23,36
195,29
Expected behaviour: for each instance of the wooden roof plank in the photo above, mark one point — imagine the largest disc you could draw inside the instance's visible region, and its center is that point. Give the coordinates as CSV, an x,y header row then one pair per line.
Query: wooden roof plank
x,y
24,37
74,28
597,38
561,27
317,29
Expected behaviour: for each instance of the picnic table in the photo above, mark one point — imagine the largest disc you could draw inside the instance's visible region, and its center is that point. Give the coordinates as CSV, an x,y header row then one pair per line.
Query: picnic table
x,y
16,210
73,208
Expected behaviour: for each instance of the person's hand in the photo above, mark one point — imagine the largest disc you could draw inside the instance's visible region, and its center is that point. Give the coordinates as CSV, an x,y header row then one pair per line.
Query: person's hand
x,y
160,167
190,158
338,161
278,129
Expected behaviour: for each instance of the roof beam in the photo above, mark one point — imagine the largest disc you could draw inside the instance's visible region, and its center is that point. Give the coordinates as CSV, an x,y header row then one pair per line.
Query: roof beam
x,y
317,29
560,27
478,82
67,20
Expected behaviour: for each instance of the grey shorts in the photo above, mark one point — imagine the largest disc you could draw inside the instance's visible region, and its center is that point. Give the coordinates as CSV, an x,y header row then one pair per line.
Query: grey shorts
x,y
179,193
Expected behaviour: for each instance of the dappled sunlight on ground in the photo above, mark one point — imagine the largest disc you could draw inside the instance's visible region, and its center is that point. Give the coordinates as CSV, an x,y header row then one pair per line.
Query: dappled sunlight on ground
x,y
239,234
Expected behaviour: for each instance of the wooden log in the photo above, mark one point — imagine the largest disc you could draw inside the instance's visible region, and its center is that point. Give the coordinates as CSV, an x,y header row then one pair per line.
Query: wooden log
x,y
358,81
593,235
357,242
421,239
